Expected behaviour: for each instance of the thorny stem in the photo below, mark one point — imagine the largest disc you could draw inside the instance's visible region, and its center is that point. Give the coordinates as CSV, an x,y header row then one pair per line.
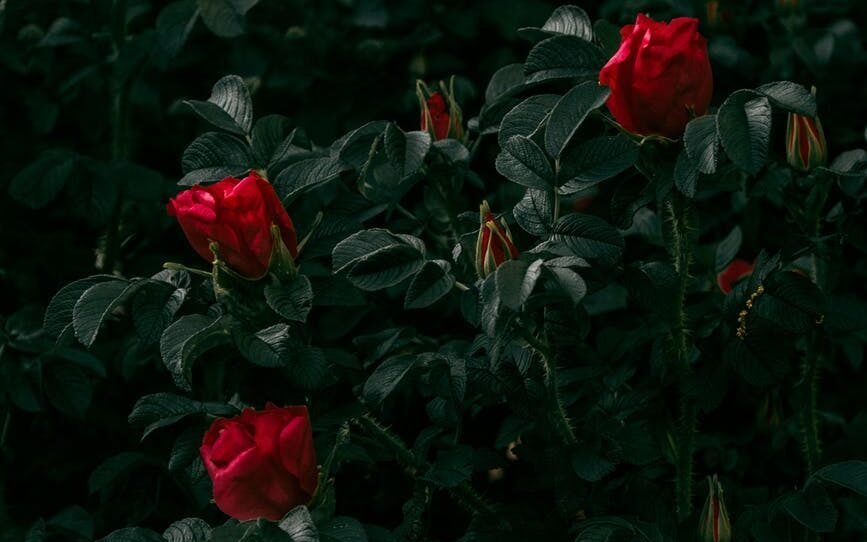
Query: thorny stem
x,y
463,493
681,255
556,410
808,392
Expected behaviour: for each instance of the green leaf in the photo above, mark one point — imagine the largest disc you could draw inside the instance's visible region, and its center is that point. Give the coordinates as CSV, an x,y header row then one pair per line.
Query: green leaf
x,y
292,301
154,310
744,127
588,236
535,212
849,474
214,156
593,161
306,174
700,141
97,303
353,149
132,534
589,466
432,281
299,524
790,97
69,389
522,161
387,377
174,24
225,18
266,348
215,115
229,108
504,82
812,508
342,529
73,520
727,250
608,36
107,472
269,134
599,533
685,174
790,301
570,112
185,340
563,57
567,20
58,315
188,530
162,409
406,151
451,467
570,283
515,280
308,367
376,259
41,182
525,118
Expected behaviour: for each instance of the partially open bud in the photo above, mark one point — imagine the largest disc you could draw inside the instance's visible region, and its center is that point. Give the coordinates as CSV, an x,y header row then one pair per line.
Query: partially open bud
x,y
805,142
494,244
440,113
714,525
735,271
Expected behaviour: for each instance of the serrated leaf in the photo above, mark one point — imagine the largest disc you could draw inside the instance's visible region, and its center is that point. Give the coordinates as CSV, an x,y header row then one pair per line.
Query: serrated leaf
x,y
215,115
306,174
744,127
386,267
570,283
387,377
41,182
107,472
432,281
563,57
97,303
567,20
299,524
516,280
73,519
700,141
406,151
225,18
162,409
593,161
174,24
790,96
451,467
292,301
214,156
522,161
58,314
185,340
588,236
535,212
188,530
570,112
154,311
267,347
685,174
268,135
132,534
526,117
589,466
353,149
728,249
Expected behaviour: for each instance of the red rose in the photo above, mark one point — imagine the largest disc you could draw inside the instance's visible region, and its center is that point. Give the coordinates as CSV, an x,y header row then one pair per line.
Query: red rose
x,y
237,215
262,463
440,113
734,272
439,116
494,244
660,77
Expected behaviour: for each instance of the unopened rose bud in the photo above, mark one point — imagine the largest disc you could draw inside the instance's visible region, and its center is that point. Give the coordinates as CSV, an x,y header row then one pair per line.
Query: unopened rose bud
x,y
440,113
714,525
494,244
734,272
805,142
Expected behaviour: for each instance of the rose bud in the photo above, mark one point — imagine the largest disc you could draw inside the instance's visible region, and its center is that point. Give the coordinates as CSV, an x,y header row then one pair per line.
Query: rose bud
x,y
262,463
440,113
237,216
660,78
714,524
494,244
805,142
734,272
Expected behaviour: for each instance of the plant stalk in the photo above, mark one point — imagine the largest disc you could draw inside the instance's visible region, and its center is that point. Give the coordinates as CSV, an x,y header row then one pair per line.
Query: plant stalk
x,y
808,395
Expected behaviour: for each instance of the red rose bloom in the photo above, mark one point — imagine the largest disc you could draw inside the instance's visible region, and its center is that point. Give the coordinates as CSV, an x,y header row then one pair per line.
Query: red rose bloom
x,y
660,77
438,111
262,463
734,272
237,215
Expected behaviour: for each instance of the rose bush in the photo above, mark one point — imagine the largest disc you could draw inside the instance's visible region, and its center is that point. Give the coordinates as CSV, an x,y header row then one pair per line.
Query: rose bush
x,y
567,363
